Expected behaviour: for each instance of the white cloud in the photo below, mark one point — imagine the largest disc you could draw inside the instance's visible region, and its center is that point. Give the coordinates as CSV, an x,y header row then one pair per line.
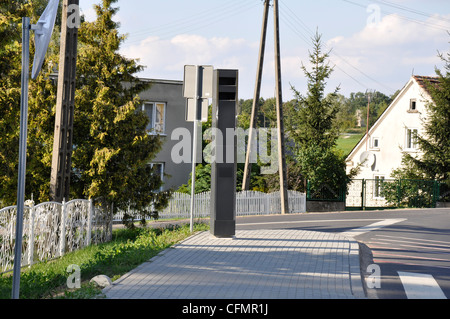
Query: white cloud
x,y
165,58
380,56
388,51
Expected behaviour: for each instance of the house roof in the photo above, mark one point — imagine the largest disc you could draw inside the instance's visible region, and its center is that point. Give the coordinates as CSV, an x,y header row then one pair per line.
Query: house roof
x,y
422,81
425,81
161,81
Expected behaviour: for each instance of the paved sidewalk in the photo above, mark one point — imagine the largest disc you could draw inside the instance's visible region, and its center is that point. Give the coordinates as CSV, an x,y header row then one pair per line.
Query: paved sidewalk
x,y
256,264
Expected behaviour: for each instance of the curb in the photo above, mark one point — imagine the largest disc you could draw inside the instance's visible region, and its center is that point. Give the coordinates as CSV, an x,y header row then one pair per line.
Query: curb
x,y
355,270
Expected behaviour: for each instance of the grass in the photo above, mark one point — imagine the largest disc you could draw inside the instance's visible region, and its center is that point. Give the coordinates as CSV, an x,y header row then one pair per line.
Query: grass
x,y
127,250
346,142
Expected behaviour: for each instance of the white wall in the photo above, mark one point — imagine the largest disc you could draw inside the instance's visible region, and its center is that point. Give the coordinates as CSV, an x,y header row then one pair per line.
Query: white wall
x,y
390,129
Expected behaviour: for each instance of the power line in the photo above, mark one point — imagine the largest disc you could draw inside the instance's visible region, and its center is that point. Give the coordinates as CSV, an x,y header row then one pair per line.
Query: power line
x,y
427,24
200,20
291,25
408,9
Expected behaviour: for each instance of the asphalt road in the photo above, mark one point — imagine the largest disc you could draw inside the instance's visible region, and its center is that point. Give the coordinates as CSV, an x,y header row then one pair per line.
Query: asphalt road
x,y
407,251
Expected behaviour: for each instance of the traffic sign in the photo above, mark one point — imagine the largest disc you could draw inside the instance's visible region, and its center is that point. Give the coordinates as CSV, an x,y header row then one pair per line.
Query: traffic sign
x,y
42,33
191,110
197,89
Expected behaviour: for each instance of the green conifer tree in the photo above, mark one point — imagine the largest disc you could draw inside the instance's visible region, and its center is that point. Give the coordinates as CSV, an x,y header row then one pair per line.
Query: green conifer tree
x,y
11,13
310,125
112,149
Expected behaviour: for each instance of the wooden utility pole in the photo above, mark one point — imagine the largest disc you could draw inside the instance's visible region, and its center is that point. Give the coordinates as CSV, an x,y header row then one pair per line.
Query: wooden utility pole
x,y
62,144
367,123
253,118
279,108
280,125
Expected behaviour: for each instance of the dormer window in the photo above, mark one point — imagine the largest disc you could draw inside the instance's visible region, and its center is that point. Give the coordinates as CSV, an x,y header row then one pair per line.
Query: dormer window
x,y
375,143
412,106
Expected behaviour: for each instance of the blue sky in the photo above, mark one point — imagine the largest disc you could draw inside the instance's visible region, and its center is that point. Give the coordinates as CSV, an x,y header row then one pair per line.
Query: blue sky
x,y
375,44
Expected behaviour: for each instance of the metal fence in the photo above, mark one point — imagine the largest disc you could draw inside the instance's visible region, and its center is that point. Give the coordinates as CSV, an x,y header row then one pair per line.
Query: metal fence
x,y
52,229
390,193
247,203
444,192
325,193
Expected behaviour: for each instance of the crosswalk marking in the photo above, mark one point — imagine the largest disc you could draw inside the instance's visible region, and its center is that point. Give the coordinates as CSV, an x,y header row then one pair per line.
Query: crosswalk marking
x,y
395,238
410,244
397,256
420,286
361,230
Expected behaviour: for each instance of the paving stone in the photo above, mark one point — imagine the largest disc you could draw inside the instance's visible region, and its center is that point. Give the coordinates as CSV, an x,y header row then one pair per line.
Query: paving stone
x,y
256,264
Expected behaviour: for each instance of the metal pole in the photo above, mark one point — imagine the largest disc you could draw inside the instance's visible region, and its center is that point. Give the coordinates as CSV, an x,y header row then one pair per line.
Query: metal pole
x,y
248,165
194,144
22,155
280,126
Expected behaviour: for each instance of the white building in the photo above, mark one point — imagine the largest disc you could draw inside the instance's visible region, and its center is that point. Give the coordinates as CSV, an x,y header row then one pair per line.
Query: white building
x,y
393,133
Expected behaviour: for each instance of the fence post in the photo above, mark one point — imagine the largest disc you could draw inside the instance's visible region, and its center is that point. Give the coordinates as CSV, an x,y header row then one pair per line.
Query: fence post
x,y
436,192
90,215
62,242
31,237
363,195
110,223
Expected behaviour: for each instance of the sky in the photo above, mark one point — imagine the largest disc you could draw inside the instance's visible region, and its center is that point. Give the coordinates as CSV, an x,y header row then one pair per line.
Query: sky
x,y
373,44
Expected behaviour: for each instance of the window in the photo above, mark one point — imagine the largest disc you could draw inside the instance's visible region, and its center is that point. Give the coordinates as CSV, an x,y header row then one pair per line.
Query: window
x,y
412,105
411,138
378,187
159,169
156,113
375,142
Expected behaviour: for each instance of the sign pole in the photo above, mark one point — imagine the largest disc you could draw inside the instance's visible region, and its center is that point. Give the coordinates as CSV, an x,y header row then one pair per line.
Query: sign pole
x,y
43,31
197,88
22,154
194,143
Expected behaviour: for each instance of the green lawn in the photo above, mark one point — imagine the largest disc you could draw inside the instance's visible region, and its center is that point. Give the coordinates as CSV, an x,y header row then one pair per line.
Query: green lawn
x,y
127,250
346,142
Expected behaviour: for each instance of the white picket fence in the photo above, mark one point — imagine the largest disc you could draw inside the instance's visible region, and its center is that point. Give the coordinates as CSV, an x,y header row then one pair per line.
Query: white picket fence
x,y
52,229
247,203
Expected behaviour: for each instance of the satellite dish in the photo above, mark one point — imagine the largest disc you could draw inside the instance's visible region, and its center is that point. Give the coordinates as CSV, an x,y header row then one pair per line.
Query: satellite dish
x,y
42,33
368,158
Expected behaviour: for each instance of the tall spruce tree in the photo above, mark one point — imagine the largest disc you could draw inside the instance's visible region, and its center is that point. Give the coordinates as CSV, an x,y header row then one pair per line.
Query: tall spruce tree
x,y
309,121
10,64
11,13
112,149
315,112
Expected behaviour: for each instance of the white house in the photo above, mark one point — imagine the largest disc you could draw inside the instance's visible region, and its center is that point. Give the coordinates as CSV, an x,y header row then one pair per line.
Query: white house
x,y
393,133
